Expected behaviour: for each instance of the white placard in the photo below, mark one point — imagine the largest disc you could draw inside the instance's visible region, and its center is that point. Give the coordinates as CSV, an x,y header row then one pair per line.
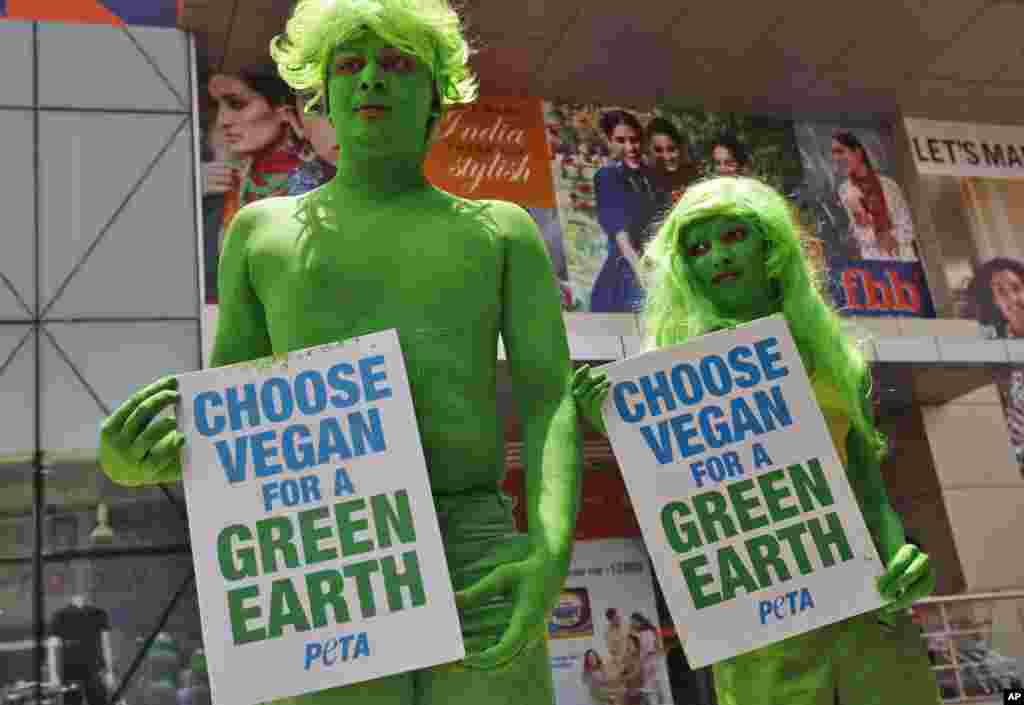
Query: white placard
x,y
314,534
966,149
730,467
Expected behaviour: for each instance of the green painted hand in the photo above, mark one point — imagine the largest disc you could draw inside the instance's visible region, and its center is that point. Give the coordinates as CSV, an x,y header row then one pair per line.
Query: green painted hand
x,y
535,584
135,450
909,576
590,389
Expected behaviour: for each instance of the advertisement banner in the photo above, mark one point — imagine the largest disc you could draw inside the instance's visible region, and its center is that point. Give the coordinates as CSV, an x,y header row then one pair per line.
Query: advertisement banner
x,y
860,214
618,171
873,288
604,642
966,149
154,13
744,505
970,180
331,553
494,148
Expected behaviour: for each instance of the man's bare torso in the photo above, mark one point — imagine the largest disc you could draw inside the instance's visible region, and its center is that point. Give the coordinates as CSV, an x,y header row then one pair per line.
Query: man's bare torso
x,y
430,267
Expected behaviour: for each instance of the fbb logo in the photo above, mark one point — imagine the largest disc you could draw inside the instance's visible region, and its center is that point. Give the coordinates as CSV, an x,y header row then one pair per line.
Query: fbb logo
x,y
879,288
889,293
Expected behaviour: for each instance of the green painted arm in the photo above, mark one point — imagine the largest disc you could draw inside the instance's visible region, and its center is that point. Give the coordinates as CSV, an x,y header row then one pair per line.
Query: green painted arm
x,y
136,447
533,332
241,321
909,573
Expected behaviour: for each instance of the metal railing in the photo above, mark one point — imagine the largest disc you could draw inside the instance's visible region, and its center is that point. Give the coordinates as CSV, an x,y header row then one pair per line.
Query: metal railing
x,y
975,643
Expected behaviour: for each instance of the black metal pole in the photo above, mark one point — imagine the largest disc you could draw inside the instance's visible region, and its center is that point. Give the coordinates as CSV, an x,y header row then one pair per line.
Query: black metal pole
x,y
38,606
38,489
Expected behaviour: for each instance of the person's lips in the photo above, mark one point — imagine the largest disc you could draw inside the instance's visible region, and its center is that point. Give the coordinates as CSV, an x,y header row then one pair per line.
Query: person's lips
x,y
371,110
722,277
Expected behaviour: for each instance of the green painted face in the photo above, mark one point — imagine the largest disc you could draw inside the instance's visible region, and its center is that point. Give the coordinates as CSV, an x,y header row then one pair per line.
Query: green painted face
x,y
726,257
380,97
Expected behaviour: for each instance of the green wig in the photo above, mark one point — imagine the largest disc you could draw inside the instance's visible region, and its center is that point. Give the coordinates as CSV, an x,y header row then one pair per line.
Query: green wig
x,y
430,30
676,310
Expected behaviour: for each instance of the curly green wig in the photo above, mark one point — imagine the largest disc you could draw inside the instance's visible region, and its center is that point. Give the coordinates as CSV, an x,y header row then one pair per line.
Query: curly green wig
x,y
676,310
430,30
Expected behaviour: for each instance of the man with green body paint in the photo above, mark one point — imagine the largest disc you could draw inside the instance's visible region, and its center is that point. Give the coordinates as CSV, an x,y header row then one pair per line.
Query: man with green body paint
x,y
376,248
729,253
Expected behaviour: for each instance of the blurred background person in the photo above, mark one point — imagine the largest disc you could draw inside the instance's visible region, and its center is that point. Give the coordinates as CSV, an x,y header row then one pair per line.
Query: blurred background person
x,y
254,148
729,156
996,294
87,653
319,150
256,112
651,648
880,220
625,194
615,638
669,154
631,676
595,678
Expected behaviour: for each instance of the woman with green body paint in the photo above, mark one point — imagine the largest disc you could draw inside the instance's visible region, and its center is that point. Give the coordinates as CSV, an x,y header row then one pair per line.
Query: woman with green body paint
x,y
377,248
729,253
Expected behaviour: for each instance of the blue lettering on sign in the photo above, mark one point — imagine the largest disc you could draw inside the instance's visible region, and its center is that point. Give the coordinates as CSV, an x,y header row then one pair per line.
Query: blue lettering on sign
x,y
687,383
716,468
715,427
276,398
784,606
361,434
629,415
334,650
343,486
199,410
291,491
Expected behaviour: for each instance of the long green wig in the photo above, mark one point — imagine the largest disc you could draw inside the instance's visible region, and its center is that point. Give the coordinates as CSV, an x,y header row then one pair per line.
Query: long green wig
x,y
430,30
676,309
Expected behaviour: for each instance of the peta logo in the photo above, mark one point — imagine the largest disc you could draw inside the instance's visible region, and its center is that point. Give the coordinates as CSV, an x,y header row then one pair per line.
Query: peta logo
x,y
1013,695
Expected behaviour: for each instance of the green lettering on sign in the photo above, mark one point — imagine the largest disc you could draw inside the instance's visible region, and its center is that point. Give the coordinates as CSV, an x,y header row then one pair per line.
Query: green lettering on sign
x,y
696,582
240,615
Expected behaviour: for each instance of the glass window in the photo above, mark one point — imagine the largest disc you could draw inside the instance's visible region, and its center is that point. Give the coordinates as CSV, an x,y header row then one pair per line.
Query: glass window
x,y
106,609
86,510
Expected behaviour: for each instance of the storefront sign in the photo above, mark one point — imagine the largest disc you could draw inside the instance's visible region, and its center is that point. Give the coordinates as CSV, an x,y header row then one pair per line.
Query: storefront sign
x,y
316,545
967,149
494,148
878,288
745,508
